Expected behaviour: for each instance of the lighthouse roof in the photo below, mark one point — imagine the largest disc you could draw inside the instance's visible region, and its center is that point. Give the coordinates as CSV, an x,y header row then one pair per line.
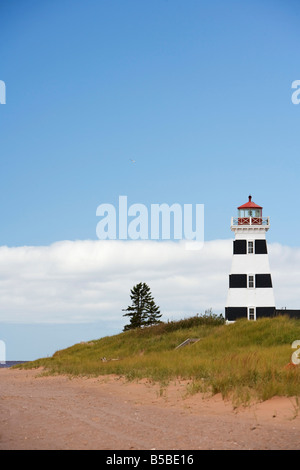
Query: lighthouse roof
x,y
250,205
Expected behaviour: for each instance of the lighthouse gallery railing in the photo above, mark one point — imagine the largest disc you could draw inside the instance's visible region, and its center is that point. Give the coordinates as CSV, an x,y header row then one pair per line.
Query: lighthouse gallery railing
x,y
250,221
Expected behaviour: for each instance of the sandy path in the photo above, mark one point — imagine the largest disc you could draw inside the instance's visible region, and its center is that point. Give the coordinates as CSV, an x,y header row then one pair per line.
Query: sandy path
x,y
110,413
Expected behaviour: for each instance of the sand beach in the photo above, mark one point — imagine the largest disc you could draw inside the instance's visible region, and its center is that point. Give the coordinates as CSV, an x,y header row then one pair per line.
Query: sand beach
x,y
60,413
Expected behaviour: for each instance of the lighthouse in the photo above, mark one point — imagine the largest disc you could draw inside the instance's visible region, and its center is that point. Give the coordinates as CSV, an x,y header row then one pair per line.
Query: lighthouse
x,y
250,293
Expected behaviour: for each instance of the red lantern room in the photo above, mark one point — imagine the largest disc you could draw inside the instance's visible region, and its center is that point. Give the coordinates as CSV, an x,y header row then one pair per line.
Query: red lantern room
x,y
250,213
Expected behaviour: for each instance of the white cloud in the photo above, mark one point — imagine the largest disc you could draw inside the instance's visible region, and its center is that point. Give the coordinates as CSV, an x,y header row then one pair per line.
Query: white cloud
x,y
86,281
285,269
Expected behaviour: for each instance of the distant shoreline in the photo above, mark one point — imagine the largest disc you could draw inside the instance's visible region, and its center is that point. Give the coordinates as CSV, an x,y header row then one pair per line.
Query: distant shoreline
x,y
11,363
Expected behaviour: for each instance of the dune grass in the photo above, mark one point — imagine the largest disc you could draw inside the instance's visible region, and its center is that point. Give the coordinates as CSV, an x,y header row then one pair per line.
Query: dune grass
x,y
244,361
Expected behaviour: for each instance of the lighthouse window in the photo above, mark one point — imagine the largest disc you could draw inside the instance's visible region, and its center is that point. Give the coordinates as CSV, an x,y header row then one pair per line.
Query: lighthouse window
x,y
250,247
251,313
251,281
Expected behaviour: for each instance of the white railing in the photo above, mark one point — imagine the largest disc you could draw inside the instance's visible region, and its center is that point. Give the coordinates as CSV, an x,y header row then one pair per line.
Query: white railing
x,y
250,221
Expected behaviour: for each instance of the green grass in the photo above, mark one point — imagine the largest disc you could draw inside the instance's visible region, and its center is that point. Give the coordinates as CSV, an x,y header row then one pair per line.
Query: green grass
x,y
243,361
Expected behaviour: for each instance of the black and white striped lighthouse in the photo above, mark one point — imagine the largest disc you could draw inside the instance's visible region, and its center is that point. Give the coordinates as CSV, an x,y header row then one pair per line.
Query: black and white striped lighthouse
x,y
250,293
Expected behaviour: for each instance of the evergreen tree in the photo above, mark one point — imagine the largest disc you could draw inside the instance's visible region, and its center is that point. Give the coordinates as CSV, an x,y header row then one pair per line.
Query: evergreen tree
x,y
153,314
142,311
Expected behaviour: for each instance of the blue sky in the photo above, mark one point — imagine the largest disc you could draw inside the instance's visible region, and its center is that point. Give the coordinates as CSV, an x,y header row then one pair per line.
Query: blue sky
x,y
197,92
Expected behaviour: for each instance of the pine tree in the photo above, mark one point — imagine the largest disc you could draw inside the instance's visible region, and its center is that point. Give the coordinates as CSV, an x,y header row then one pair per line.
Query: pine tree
x,y
143,311
153,314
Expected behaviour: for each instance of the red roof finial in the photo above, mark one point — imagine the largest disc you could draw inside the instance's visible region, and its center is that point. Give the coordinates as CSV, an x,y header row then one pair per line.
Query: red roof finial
x,y
250,197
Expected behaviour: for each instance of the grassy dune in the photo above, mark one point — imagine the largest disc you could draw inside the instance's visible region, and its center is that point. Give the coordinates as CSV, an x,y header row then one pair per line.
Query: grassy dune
x,y
243,361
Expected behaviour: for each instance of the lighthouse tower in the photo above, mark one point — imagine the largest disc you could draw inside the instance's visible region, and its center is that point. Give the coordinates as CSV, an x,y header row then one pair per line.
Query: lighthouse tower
x,y
250,293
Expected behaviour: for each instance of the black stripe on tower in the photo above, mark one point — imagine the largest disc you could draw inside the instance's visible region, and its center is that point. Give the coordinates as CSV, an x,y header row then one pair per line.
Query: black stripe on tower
x,y
263,280
261,247
234,313
239,281
240,247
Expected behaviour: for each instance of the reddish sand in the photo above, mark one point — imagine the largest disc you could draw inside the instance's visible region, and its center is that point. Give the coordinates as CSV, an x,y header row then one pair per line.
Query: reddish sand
x,y
39,412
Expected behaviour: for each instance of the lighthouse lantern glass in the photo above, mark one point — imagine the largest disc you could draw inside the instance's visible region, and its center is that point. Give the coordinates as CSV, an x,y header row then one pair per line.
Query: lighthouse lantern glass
x,y
250,212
